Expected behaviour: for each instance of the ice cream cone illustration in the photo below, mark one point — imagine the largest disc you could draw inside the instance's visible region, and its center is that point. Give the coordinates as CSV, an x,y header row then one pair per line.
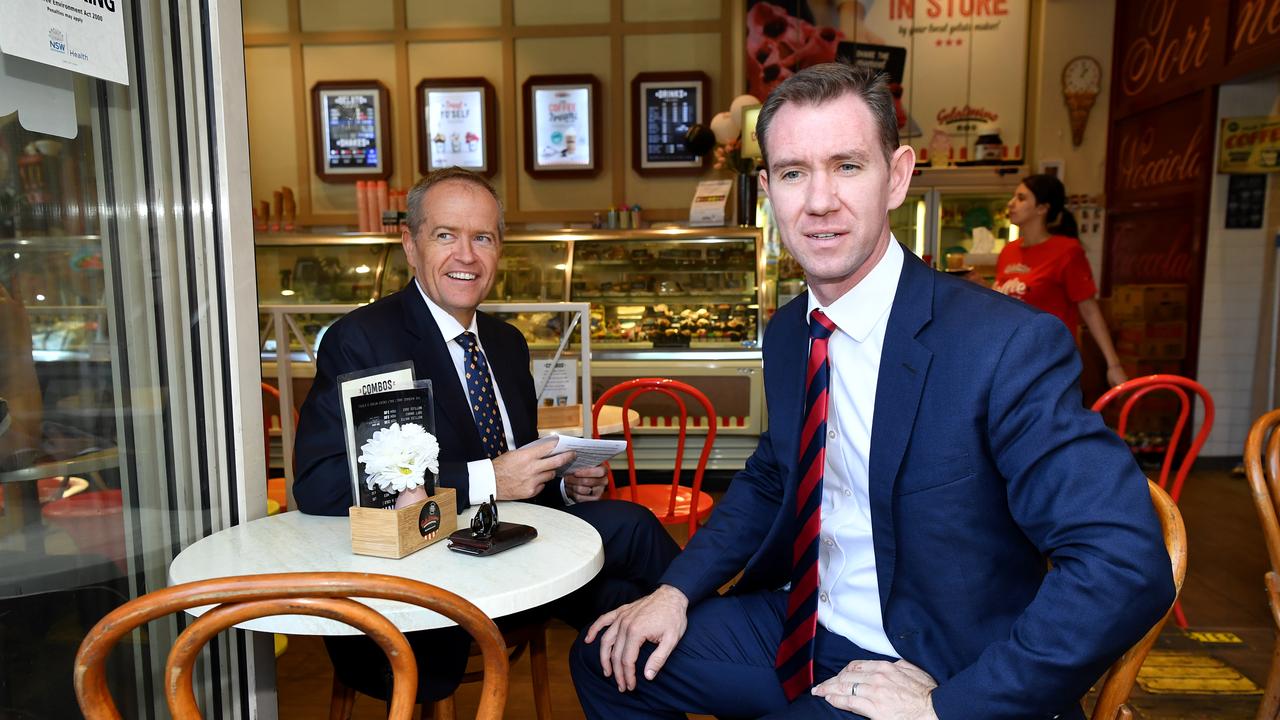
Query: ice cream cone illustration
x,y
1078,107
472,139
1081,83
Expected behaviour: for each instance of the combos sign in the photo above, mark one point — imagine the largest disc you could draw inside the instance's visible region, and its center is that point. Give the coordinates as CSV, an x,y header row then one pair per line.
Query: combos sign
x,y
1249,145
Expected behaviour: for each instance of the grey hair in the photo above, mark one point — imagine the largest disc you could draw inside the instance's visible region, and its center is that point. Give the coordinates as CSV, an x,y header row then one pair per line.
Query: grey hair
x,y
818,84
450,174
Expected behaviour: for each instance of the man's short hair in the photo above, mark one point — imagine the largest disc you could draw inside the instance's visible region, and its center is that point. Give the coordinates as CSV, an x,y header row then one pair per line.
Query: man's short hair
x,y
818,84
450,174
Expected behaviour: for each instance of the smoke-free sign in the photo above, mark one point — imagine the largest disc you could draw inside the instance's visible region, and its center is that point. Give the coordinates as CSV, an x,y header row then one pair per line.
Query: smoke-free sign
x,y
86,36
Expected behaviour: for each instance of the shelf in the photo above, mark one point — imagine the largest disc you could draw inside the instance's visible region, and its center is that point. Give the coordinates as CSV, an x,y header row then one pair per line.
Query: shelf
x,y
50,242
629,266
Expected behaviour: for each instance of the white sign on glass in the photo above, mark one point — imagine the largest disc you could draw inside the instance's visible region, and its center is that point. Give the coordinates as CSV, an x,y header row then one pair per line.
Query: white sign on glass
x,y
86,36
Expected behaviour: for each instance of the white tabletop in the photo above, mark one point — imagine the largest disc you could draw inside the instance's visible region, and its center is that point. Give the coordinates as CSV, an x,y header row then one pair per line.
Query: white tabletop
x,y
566,554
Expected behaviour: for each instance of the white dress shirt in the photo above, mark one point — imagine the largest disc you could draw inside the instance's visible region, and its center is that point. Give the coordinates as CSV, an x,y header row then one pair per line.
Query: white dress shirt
x,y
480,475
848,594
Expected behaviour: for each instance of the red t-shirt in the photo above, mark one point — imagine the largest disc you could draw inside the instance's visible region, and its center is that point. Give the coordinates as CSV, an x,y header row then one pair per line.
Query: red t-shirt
x,y
1053,275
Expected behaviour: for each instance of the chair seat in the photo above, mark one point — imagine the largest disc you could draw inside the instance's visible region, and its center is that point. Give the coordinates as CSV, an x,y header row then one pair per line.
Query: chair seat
x,y
658,498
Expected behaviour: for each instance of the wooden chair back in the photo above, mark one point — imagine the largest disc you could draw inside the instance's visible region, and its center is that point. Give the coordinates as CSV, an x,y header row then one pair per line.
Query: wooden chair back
x,y
676,507
1262,467
244,598
1113,698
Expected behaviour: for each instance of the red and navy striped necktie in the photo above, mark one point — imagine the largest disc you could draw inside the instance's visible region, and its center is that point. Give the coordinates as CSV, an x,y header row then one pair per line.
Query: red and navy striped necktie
x,y
795,655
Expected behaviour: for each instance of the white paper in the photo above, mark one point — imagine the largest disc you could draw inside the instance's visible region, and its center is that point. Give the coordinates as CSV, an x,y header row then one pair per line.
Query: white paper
x,y
86,36
561,385
591,452
709,201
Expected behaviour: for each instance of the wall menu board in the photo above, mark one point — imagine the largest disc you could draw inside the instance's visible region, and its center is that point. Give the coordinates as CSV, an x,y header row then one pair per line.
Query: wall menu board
x,y
352,138
664,107
560,126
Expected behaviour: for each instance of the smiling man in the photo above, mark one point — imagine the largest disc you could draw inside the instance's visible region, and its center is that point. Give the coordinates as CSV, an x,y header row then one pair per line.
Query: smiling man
x,y
927,450
485,413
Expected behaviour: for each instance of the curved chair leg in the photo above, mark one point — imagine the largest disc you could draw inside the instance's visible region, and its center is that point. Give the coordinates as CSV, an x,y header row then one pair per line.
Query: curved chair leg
x,y
1269,709
342,701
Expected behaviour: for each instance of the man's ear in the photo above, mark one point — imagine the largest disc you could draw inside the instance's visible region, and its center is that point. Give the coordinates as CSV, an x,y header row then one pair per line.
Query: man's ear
x,y
901,165
763,177
406,242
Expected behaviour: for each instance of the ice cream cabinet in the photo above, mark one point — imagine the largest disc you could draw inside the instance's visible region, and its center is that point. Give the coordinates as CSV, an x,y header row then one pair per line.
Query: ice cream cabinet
x,y
957,219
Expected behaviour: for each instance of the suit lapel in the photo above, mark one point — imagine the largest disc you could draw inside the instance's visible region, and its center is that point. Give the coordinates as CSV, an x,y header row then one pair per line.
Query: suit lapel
x,y
786,408
904,364
431,357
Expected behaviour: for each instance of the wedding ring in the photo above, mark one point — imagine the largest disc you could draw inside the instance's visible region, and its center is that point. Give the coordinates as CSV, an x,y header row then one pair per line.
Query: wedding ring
x,y
854,690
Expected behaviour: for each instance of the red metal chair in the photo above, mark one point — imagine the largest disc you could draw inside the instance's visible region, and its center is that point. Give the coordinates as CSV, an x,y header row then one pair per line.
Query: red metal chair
x,y
1138,388
675,503
275,485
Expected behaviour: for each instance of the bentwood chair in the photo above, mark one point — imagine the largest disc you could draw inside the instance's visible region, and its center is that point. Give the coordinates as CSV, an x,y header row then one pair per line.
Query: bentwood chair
x,y
327,595
672,504
1113,697
1262,466
1135,390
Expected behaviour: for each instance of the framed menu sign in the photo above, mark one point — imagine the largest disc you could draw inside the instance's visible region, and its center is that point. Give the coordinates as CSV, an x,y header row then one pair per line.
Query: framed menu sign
x,y
663,107
352,133
561,124
456,124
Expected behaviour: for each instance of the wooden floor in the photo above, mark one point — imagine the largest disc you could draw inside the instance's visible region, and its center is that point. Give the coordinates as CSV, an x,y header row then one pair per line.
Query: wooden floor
x,y
1223,593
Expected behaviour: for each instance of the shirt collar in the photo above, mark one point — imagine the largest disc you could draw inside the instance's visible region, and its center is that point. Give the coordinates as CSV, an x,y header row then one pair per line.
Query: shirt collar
x,y
859,310
449,326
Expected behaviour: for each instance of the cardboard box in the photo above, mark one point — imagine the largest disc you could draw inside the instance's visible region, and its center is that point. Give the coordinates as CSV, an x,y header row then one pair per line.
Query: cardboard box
x,y
1148,303
1138,367
1139,331
1152,348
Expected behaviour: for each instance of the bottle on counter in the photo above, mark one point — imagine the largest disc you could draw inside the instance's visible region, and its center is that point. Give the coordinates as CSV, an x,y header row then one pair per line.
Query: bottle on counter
x,y
635,216
624,217
613,218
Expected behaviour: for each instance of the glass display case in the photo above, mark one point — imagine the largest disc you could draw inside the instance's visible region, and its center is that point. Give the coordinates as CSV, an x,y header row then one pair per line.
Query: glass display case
x,y
60,283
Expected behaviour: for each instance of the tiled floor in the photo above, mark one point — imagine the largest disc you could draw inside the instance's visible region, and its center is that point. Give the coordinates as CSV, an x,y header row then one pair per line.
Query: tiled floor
x,y
1223,592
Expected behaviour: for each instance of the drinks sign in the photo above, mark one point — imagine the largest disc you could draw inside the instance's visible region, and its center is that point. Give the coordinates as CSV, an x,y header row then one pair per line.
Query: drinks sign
x,y
665,105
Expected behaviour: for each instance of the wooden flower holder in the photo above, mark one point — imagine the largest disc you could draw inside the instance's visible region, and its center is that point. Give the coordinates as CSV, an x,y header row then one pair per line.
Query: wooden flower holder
x,y
395,533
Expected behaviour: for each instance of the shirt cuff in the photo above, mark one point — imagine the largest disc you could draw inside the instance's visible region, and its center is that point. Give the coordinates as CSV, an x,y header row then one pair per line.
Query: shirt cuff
x,y
483,481
564,493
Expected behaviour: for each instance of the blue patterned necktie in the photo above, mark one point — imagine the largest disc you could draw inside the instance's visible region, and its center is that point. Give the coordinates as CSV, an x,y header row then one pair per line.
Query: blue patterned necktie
x,y
484,401
794,662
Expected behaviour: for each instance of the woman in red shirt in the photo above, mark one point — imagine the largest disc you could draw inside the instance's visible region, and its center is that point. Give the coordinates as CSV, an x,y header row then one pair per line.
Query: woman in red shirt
x,y
1046,265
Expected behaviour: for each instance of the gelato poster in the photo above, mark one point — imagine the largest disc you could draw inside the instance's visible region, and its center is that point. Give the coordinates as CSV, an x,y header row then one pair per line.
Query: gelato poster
x,y
562,127
456,126
961,96
351,131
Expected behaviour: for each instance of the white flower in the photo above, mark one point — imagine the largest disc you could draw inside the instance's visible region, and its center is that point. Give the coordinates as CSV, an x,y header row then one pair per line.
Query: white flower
x,y
397,458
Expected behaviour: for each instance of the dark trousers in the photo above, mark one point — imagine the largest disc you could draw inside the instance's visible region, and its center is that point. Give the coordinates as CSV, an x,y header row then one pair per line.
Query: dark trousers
x,y
637,550
722,666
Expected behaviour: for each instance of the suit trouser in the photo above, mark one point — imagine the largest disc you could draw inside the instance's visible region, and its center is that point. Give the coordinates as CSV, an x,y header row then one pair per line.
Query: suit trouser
x,y
637,550
722,666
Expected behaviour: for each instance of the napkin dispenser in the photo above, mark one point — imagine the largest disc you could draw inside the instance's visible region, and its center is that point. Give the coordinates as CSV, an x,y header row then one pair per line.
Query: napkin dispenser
x,y
394,533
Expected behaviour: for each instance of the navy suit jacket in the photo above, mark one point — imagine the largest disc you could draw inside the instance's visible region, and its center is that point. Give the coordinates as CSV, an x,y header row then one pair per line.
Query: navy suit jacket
x,y
984,462
396,328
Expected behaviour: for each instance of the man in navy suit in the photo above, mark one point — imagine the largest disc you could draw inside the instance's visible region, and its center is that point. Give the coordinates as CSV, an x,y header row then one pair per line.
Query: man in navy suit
x,y
453,243
927,451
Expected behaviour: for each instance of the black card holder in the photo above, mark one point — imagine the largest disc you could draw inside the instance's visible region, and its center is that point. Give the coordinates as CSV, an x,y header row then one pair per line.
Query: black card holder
x,y
505,535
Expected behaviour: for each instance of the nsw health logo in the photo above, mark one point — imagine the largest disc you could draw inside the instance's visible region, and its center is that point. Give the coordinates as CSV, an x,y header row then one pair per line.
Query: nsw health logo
x,y
57,41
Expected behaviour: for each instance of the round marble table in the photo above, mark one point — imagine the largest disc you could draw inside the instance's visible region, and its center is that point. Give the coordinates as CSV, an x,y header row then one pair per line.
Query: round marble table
x,y
566,554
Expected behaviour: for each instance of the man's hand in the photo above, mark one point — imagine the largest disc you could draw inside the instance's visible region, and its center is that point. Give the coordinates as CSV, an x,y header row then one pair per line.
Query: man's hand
x,y
586,484
881,690
660,618
520,474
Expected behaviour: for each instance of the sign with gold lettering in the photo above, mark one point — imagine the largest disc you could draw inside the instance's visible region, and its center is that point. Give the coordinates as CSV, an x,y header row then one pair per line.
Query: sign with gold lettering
x,y
1165,49
1249,145
1151,157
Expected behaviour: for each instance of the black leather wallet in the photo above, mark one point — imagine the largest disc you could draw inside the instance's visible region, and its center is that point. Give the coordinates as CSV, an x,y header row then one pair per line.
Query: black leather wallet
x,y
505,535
